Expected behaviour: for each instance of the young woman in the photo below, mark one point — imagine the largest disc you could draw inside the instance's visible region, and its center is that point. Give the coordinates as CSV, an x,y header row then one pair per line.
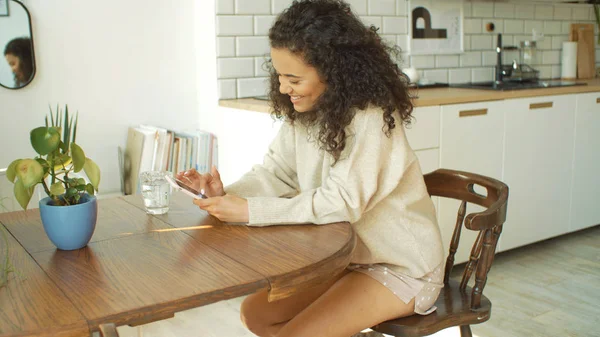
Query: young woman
x,y
19,57
341,155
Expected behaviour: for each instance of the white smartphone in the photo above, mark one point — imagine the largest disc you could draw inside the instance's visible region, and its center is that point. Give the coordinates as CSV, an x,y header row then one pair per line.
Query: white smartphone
x,y
181,186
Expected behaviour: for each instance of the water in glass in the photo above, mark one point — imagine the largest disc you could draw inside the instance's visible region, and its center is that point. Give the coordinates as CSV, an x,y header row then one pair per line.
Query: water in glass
x,y
156,191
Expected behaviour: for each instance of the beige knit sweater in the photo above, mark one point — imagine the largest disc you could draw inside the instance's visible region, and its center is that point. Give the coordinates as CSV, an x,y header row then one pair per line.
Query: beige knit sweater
x,y
377,186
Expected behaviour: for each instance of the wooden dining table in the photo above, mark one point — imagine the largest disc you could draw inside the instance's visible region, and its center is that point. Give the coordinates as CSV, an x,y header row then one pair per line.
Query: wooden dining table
x,y
139,268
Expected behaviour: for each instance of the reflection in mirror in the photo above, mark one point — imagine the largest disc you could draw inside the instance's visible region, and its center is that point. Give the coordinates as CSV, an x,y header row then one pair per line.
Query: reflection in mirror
x,y
17,65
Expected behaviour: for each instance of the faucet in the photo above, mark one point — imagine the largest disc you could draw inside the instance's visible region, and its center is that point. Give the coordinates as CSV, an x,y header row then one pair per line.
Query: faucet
x,y
498,77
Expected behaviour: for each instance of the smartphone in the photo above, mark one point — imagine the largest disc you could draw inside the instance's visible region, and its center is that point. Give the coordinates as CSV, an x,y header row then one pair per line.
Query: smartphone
x,y
181,186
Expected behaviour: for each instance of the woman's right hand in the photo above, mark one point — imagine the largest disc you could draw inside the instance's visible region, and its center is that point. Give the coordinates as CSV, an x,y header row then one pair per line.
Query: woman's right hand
x,y
209,182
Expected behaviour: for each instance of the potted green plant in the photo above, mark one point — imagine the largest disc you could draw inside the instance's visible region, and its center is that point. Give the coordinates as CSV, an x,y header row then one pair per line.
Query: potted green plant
x,y
69,212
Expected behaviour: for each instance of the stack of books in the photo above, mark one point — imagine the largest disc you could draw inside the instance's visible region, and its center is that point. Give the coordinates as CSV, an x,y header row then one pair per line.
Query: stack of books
x,y
151,148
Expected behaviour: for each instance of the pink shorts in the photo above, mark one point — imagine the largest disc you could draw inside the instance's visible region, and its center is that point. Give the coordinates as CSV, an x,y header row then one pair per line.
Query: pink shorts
x,y
424,290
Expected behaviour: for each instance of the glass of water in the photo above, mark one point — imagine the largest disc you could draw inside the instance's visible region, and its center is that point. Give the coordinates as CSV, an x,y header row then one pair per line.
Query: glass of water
x,y
156,191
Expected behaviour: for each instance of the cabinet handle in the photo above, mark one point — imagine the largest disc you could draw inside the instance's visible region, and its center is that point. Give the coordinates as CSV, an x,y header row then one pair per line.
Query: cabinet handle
x,y
541,105
467,113
598,100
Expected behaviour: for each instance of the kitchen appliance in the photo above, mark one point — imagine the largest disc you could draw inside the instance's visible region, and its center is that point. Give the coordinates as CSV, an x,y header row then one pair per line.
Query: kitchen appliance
x,y
519,73
529,53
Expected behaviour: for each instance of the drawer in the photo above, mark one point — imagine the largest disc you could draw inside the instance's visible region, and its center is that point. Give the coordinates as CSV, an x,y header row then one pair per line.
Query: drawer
x,y
424,131
588,102
546,104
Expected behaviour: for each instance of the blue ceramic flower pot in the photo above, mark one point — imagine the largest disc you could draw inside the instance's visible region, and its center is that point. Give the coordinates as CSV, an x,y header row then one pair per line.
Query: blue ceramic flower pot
x,y
70,227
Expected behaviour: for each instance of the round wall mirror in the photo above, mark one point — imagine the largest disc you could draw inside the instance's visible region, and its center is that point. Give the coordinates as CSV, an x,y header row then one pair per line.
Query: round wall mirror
x,y
17,64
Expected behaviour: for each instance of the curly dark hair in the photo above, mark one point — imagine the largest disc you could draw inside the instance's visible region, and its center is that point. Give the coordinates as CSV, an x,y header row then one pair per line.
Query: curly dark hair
x,y
21,48
350,58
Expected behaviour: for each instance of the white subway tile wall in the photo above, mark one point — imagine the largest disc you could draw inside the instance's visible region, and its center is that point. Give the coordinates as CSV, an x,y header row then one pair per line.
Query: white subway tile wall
x,y
252,6
260,67
225,46
227,89
482,74
459,75
225,7
243,28
251,87
262,24
524,11
251,45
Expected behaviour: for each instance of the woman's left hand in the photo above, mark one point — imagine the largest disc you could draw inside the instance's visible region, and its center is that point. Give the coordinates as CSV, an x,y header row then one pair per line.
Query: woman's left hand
x,y
227,208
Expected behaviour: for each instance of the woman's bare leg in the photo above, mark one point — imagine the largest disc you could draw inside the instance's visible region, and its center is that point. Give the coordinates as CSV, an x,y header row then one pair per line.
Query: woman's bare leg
x,y
355,302
264,318
344,306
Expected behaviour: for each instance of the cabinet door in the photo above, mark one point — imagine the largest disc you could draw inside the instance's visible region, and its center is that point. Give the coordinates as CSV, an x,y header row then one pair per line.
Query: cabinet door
x,y
538,157
471,140
585,198
428,159
424,131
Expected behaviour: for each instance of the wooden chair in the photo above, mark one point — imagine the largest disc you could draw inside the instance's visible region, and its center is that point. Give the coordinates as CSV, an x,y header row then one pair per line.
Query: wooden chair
x,y
459,304
108,330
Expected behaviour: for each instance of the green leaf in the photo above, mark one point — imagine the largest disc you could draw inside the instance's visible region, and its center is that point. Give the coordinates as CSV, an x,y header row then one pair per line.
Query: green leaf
x,y
67,131
93,172
63,147
57,188
51,114
44,140
45,166
11,171
78,157
81,181
75,127
30,172
61,161
22,194
90,189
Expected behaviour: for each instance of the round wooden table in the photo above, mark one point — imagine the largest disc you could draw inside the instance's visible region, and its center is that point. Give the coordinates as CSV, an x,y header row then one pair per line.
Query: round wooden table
x,y
140,268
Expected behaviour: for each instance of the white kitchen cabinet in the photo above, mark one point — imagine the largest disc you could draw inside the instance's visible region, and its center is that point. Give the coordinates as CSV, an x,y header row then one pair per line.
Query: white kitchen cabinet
x,y
585,197
428,159
538,159
424,131
472,137
471,140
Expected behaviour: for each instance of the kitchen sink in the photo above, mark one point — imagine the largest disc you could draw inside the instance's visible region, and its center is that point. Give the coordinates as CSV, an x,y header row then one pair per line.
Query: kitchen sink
x,y
505,86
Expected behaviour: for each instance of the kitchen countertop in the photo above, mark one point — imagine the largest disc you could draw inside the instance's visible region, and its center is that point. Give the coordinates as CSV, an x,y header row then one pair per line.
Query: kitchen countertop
x,y
445,96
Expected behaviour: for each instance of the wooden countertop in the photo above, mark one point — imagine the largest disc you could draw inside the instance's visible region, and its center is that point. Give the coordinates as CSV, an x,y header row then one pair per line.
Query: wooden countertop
x,y
445,96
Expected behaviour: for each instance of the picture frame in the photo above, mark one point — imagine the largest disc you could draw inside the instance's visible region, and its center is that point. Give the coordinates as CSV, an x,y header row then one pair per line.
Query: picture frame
x,y
4,8
436,27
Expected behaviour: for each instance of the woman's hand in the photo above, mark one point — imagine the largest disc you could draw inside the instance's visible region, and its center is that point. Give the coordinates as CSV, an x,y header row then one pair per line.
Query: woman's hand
x,y
209,182
227,208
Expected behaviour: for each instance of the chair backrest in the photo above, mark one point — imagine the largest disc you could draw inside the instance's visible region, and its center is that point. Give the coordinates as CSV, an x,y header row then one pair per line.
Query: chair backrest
x,y
461,186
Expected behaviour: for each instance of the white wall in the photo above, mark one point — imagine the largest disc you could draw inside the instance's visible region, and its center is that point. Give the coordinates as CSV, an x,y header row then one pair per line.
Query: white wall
x,y
244,138
119,63
13,26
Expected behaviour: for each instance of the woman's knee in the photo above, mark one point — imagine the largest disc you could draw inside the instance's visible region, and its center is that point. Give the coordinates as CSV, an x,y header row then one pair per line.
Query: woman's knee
x,y
253,315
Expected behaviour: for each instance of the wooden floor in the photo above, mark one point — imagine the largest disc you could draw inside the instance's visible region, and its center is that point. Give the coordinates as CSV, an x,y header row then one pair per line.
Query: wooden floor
x,y
547,289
